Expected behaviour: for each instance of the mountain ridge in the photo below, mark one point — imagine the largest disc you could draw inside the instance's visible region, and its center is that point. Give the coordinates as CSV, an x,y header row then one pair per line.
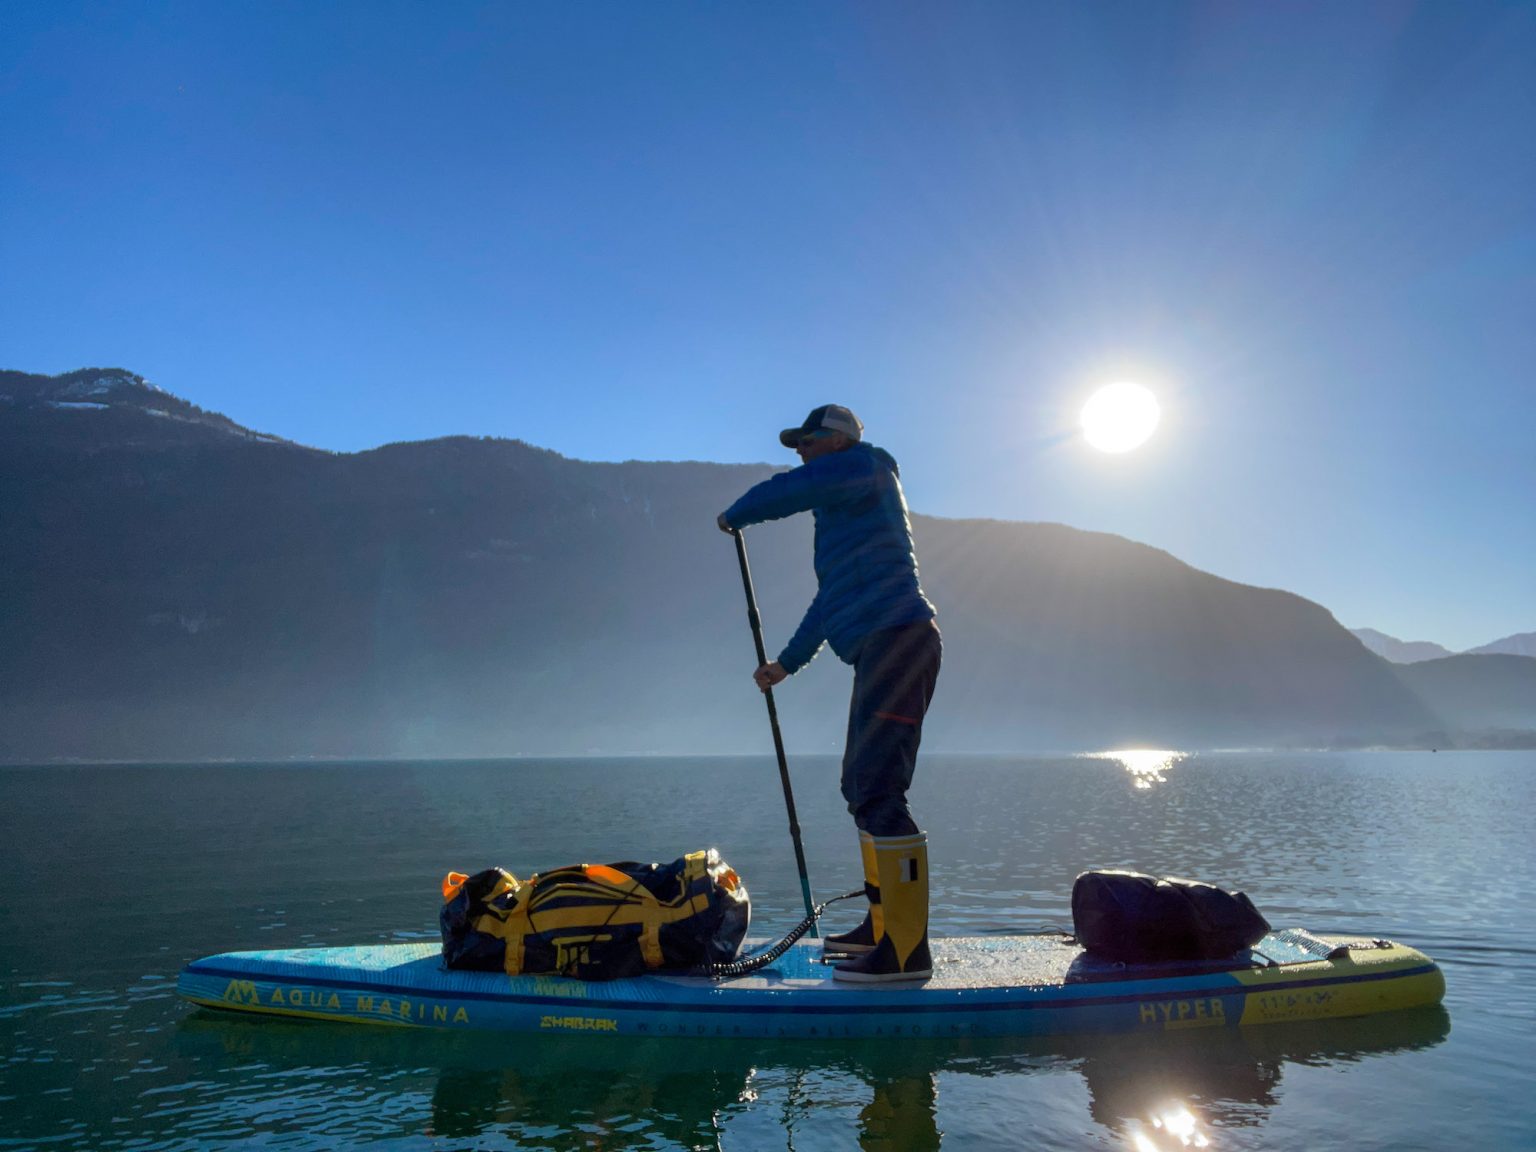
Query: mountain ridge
x,y
121,392
187,590
1400,651
1416,651
1520,644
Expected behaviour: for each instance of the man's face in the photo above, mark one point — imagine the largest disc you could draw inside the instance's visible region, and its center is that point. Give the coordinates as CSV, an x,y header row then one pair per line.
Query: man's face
x,y
819,444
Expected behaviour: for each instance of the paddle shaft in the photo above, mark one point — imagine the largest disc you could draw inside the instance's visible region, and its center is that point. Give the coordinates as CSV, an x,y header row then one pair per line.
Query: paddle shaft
x,y
773,722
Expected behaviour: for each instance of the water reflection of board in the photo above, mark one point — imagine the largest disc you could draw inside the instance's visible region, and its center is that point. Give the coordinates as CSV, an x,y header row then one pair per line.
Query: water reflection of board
x,y
982,986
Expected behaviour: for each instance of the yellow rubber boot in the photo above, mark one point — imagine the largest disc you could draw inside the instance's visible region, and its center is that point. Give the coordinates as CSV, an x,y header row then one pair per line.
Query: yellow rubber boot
x,y
863,938
901,950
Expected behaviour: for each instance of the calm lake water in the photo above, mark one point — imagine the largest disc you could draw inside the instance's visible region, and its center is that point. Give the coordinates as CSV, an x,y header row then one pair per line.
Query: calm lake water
x,y
111,878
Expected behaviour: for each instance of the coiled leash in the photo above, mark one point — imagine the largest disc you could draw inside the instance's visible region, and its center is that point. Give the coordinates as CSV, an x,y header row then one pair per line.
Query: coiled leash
x,y
768,955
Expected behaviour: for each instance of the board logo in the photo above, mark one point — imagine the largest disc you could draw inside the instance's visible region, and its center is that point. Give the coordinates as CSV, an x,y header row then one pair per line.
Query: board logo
x,y
241,992
579,1023
1202,1012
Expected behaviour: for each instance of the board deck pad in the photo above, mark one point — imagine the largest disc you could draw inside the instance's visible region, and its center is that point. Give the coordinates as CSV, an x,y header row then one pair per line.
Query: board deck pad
x,y
981,986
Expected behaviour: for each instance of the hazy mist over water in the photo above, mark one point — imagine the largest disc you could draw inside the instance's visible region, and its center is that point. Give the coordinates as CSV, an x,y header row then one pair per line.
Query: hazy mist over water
x,y
114,877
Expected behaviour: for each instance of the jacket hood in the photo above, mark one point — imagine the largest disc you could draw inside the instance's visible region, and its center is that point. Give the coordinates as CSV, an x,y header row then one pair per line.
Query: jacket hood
x,y
880,454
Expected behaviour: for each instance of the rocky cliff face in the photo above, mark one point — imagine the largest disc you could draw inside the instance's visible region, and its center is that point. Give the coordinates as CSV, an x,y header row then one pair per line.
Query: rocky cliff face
x,y
175,586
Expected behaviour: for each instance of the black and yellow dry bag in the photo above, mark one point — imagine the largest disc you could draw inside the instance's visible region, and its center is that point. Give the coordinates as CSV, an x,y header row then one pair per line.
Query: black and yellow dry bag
x,y
596,921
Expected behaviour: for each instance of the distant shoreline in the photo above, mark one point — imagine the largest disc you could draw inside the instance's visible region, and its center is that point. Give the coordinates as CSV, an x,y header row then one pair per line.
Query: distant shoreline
x,y
1528,744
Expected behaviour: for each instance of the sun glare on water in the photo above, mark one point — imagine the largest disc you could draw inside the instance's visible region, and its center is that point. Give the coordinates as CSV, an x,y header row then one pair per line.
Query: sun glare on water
x,y
1146,765
1120,416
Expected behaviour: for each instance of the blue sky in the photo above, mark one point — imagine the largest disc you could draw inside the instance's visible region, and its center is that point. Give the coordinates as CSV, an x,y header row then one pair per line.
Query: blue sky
x,y
664,231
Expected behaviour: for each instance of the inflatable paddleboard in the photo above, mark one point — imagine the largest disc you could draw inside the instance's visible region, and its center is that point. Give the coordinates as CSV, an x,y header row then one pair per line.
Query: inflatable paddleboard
x,y
1033,985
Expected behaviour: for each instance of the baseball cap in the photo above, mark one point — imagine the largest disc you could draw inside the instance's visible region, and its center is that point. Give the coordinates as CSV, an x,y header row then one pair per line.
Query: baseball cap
x,y
827,418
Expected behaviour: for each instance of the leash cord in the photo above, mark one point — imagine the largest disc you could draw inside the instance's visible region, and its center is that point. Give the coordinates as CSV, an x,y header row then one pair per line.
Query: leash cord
x,y
768,955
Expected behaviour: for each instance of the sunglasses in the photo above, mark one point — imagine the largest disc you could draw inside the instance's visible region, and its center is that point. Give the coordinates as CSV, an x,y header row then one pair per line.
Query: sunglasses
x,y
807,440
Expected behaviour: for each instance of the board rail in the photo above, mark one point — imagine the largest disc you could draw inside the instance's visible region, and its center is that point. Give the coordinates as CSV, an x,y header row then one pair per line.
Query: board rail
x,y
1034,985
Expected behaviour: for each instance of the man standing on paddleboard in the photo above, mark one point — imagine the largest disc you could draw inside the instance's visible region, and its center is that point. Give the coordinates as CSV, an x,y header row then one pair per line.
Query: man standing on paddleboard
x,y
870,607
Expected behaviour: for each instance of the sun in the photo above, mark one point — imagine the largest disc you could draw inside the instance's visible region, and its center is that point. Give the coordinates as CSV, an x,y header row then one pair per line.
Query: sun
x,y
1119,417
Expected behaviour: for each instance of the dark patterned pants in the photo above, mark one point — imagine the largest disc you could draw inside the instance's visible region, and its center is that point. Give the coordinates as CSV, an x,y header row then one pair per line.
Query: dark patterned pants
x,y
893,680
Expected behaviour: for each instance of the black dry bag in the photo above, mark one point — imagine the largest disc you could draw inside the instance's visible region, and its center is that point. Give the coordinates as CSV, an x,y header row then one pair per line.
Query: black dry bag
x,y
596,921
1141,919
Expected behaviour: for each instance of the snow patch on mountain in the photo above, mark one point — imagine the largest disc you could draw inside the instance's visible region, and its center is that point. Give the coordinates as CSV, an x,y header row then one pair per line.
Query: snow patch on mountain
x,y
102,384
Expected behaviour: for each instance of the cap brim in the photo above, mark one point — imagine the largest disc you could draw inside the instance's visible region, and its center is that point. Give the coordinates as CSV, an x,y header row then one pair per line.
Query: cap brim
x,y
790,437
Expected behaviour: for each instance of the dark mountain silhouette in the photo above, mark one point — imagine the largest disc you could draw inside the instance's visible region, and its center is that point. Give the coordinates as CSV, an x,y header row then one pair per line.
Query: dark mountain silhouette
x,y
119,409
1399,651
175,586
1487,693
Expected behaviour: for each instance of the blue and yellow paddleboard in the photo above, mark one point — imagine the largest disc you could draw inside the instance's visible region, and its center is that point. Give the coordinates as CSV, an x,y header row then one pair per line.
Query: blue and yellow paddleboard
x,y
982,986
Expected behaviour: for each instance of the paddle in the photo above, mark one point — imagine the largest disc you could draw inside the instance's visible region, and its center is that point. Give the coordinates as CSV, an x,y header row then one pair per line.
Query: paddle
x,y
773,721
